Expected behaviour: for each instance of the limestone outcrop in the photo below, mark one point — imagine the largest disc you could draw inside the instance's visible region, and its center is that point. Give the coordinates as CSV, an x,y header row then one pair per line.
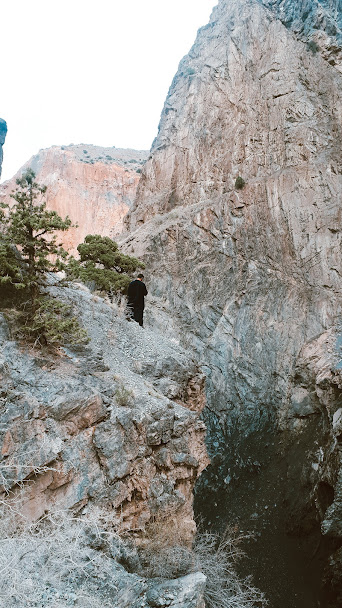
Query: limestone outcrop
x,y
3,133
113,425
94,186
254,273
250,275
106,424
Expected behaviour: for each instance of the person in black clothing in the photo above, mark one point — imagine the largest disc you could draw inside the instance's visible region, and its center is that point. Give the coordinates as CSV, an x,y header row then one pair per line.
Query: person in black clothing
x,y
136,299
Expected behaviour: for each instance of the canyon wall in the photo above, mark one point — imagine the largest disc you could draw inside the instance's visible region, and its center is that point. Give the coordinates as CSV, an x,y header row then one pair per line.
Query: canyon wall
x,y
3,132
249,276
259,266
94,186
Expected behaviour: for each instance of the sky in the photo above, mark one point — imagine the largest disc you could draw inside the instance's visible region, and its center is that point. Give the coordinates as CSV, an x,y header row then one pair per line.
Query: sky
x,y
89,71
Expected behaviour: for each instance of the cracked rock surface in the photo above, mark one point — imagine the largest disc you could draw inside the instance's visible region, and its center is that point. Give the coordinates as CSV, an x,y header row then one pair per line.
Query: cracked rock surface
x,y
113,424
249,277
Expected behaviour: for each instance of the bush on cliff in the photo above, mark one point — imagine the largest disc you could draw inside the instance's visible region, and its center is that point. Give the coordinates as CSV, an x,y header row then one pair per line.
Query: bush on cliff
x,y
167,553
28,251
239,183
102,264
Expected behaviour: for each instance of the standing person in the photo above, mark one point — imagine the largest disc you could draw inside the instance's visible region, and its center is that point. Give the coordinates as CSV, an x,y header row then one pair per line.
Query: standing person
x,y
136,299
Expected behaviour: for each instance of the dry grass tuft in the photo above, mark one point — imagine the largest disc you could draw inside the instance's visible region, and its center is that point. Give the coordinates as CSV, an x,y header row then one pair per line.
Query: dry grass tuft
x,y
165,554
216,557
45,562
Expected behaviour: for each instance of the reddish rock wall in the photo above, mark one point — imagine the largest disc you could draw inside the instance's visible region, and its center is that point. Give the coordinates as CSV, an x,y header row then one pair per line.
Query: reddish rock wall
x,y
94,186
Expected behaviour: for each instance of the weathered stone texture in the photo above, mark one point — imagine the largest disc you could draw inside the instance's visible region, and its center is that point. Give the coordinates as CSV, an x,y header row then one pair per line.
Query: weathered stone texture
x,y
68,442
252,273
318,21
94,186
64,427
251,276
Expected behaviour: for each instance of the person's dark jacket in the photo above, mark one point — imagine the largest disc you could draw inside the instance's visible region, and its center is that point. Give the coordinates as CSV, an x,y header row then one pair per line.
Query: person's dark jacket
x,y
136,294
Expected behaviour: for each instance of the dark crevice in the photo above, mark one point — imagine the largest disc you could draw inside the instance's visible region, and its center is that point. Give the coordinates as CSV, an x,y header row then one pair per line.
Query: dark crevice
x,y
262,482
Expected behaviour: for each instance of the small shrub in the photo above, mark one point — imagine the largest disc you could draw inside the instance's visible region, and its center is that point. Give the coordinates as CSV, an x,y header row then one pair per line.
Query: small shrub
x,y
118,303
124,396
216,557
51,323
313,47
167,553
166,550
43,563
239,183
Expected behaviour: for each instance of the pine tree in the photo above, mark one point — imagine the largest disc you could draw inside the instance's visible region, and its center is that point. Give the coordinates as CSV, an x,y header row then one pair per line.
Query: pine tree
x,y
102,263
28,251
31,228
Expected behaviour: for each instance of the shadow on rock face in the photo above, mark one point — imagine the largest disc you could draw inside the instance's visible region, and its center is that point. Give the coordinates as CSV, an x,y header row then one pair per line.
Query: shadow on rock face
x,y
263,483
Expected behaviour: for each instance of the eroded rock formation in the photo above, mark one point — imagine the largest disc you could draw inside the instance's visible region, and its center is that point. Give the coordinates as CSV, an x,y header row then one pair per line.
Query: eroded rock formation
x,y
251,275
94,186
114,424
141,451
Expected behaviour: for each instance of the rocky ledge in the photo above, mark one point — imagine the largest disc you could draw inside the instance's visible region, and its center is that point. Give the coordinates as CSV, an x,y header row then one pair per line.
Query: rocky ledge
x,y
113,424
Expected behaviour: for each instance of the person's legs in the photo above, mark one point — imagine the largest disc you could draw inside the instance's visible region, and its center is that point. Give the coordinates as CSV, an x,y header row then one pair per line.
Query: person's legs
x,y
138,316
129,313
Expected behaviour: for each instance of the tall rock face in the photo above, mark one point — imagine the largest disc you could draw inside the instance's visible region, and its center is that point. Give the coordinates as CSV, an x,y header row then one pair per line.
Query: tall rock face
x,y
95,186
3,133
252,275
260,266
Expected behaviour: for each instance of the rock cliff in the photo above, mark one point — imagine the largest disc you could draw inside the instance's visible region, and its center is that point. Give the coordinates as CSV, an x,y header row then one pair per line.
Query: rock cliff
x,y
250,100
95,186
246,276
250,275
3,132
69,413
114,425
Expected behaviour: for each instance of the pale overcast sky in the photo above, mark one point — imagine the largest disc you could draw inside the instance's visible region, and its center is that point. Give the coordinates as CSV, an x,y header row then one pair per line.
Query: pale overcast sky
x,y
89,71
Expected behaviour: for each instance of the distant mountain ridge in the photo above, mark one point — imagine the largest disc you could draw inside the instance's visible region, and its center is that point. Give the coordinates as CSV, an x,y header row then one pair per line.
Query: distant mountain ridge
x,y
94,185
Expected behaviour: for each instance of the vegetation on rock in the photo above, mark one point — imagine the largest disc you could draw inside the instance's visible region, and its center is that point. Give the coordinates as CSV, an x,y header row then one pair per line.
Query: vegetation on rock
x,y
167,553
102,264
55,321
124,396
313,47
28,251
239,183
31,228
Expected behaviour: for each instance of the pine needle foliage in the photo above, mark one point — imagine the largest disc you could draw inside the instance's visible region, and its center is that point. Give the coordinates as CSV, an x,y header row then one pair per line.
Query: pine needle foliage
x,y
53,323
102,263
31,228
28,251
11,273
